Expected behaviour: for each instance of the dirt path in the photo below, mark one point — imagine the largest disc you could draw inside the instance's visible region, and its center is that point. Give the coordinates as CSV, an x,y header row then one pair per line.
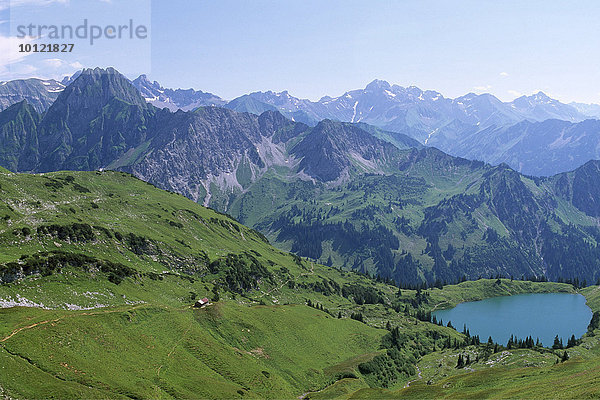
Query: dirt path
x,y
29,327
13,333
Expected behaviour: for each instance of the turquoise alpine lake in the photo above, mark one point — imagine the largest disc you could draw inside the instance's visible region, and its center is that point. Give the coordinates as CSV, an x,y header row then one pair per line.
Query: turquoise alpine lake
x,y
540,316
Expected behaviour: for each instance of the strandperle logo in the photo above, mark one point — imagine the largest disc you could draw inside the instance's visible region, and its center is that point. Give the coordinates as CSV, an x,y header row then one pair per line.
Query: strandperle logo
x,y
93,33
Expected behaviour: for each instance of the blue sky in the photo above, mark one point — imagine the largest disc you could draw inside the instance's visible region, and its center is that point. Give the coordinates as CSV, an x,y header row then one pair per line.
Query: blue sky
x,y
316,48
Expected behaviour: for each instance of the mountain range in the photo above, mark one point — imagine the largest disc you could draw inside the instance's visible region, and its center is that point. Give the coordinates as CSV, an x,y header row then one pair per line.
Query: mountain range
x,y
480,127
396,108
590,110
535,135
341,193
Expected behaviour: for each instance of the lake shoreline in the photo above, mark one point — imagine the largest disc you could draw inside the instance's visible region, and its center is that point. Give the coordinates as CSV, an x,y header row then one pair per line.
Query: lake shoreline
x,y
542,316
452,295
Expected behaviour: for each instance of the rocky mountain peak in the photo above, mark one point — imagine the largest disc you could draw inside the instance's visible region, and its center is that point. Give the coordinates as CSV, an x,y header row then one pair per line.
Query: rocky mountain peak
x,y
378,84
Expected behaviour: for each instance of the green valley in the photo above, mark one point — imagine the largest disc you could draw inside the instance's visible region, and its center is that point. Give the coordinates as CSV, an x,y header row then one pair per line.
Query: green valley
x,y
100,271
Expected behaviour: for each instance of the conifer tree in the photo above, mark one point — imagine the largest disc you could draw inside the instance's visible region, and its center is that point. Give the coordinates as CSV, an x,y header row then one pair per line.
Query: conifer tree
x,y
511,342
557,343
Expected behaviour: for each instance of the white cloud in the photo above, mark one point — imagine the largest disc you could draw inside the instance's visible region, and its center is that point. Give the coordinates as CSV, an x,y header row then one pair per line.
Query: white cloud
x,y
9,50
24,69
11,60
54,62
58,63
515,93
503,73
485,88
17,71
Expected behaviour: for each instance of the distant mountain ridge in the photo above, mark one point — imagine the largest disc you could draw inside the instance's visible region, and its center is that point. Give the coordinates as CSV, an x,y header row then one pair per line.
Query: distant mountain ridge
x,y
533,148
381,104
396,108
39,93
184,99
473,126
480,127
590,110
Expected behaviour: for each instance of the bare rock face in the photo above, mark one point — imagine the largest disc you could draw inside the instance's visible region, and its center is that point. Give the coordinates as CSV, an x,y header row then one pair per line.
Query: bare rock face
x,y
100,120
190,152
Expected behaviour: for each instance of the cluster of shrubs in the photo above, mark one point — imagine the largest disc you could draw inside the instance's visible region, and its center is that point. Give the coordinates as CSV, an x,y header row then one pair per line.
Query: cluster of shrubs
x,y
48,263
421,297
362,294
594,323
318,306
240,272
357,316
403,349
140,245
225,224
84,233
326,287
59,183
74,232
386,369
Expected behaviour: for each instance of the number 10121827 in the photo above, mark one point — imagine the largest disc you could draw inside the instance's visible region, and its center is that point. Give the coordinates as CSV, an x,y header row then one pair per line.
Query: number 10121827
x,y
46,48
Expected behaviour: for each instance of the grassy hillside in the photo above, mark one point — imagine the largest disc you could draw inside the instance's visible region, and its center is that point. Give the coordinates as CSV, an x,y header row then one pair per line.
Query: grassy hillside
x,y
569,380
150,351
114,205
99,270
